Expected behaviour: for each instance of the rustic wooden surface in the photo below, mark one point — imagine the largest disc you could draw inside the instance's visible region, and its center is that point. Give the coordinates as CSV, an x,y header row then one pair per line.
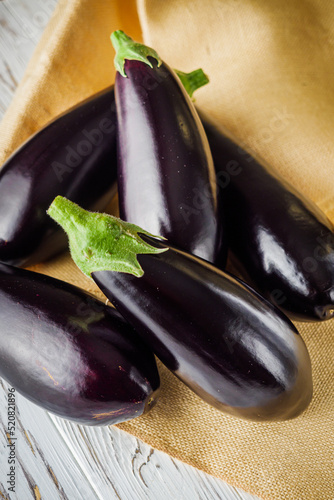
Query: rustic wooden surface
x,y
54,458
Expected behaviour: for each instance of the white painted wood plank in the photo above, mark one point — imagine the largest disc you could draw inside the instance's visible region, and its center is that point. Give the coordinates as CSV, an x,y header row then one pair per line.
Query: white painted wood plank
x,y
58,459
21,26
139,471
44,466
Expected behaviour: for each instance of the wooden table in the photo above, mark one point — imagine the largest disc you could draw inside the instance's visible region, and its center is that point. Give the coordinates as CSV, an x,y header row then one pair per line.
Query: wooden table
x,y
54,458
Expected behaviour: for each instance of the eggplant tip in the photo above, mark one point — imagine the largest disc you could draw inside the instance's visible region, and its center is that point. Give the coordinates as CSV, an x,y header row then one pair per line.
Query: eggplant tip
x,y
152,401
325,312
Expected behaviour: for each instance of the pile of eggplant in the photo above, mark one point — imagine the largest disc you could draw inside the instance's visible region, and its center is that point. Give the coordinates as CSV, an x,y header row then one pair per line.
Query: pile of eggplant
x,y
189,196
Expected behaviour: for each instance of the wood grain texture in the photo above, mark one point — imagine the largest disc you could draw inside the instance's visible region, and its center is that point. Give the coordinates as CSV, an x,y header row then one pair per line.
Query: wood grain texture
x,y
43,463
57,459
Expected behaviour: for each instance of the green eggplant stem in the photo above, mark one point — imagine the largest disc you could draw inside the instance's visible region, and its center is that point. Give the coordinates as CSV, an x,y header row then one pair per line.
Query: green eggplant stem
x,y
126,48
193,80
101,242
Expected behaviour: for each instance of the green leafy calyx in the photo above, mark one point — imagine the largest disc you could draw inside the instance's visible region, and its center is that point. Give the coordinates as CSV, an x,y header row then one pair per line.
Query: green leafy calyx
x,y
126,48
193,80
101,242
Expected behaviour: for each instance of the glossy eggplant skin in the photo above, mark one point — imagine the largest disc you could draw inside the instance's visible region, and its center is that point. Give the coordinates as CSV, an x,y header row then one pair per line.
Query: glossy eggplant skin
x,y
281,242
71,354
229,345
74,155
166,180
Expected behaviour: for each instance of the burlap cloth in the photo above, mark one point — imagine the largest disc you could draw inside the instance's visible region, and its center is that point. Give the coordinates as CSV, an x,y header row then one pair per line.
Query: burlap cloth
x,y
271,70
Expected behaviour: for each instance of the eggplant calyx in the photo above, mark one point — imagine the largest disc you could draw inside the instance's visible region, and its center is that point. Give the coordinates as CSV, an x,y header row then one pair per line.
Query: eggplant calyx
x,y
126,48
101,242
193,80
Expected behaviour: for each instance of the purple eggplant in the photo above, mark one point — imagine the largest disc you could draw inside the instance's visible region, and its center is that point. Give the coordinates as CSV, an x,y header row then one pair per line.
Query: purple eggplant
x,y
281,243
166,180
75,156
69,353
229,345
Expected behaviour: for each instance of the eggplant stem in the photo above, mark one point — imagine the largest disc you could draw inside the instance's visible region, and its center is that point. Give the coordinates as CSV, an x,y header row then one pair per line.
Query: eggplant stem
x,y
193,80
101,242
126,48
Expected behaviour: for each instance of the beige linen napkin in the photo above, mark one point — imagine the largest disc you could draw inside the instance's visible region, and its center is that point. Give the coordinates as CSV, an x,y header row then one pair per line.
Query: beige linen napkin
x,y
270,65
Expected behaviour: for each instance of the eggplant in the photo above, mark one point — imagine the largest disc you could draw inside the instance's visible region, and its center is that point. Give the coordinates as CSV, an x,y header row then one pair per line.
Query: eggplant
x,y
233,348
166,179
280,241
71,354
74,155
